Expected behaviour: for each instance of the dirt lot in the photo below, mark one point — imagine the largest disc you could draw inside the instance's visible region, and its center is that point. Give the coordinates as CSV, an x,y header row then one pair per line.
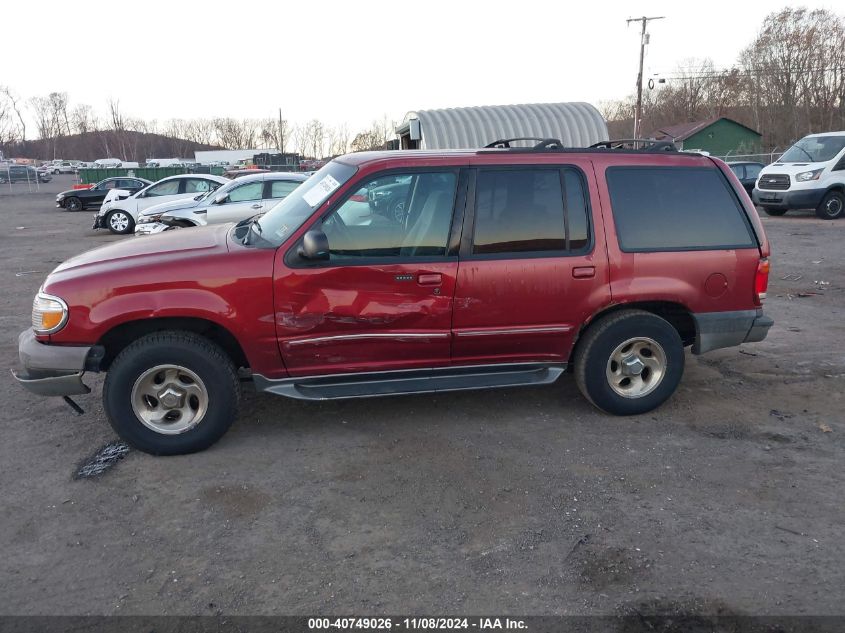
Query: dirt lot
x,y
728,499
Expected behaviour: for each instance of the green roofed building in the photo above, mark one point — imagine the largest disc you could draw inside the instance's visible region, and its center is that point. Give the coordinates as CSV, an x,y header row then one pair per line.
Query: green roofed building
x,y
718,136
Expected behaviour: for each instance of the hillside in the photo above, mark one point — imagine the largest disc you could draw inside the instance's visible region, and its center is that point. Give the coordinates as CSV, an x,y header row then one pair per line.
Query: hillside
x,y
126,145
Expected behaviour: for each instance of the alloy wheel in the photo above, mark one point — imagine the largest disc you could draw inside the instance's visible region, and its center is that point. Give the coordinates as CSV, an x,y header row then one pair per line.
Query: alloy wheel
x,y
169,399
636,367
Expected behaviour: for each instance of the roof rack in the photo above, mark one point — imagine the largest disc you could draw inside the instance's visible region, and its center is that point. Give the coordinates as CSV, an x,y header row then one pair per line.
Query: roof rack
x,y
543,143
636,144
645,145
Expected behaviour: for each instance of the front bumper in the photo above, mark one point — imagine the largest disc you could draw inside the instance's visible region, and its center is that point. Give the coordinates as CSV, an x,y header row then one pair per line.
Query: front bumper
x,y
151,228
715,330
99,221
786,200
51,370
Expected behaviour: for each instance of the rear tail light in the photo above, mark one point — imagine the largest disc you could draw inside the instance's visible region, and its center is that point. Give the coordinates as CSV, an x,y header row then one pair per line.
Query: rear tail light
x,y
761,281
358,197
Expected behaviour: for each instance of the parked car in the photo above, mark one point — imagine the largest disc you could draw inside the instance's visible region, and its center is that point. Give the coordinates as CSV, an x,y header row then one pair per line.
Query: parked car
x,y
747,173
245,171
80,199
119,211
235,201
809,175
23,173
511,268
66,167
44,174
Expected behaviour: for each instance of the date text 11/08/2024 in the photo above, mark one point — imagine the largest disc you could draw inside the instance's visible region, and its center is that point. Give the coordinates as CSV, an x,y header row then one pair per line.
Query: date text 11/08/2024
x,y
417,623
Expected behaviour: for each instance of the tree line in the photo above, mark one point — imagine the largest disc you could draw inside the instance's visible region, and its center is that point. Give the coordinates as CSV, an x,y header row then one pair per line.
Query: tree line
x,y
65,130
789,81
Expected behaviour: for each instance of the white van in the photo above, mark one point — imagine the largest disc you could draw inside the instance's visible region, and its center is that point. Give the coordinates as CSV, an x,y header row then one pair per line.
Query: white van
x,y
809,175
108,162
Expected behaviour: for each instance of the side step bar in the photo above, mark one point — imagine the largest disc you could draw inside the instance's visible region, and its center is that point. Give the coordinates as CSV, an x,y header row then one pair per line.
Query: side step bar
x,y
389,383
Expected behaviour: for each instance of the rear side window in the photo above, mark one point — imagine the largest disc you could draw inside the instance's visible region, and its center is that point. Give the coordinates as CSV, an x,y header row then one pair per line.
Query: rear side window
x,y
529,211
281,188
675,208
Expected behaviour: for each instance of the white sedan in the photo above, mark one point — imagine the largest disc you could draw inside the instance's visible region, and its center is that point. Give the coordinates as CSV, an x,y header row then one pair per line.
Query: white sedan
x,y
238,200
120,209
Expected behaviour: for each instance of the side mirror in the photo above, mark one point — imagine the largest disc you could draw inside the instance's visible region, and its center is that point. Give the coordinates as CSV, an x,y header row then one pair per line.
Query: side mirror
x,y
220,198
315,246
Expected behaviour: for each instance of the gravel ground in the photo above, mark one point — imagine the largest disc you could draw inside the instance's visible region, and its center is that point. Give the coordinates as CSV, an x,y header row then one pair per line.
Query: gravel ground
x,y
728,499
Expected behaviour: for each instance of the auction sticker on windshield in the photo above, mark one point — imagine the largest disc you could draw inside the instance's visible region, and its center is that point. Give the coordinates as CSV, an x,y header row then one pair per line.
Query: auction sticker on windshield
x,y
320,191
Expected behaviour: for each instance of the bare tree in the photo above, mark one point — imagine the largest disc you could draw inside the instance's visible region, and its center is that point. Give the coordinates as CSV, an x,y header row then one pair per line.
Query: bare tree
x,y
12,99
83,119
376,137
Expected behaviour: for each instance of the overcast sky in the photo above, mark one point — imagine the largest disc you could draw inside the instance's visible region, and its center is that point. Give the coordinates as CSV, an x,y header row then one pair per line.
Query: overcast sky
x,y
354,61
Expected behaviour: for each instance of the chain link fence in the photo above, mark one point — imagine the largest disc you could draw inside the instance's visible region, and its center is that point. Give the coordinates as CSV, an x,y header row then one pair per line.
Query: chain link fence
x,y
766,158
19,179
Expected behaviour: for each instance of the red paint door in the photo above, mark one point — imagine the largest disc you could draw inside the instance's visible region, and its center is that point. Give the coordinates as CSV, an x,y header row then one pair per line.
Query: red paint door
x,y
533,266
383,301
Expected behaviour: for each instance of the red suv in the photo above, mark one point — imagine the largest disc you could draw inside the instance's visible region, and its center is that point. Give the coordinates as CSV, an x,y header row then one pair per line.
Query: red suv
x,y
490,268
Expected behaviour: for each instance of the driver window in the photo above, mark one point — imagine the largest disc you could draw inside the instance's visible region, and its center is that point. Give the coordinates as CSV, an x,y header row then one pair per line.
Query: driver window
x,y
407,215
169,188
197,185
110,184
245,193
753,171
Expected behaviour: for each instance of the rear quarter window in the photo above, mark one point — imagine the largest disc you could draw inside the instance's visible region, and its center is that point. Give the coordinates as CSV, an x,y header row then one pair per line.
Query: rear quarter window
x,y
676,209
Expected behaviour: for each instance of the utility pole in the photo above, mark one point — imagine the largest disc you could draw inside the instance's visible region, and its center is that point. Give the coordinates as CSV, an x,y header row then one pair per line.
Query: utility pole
x,y
281,134
638,114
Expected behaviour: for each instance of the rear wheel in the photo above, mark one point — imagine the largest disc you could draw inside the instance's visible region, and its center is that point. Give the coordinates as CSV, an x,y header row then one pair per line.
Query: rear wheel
x,y
74,204
832,206
774,212
120,222
629,362
171,393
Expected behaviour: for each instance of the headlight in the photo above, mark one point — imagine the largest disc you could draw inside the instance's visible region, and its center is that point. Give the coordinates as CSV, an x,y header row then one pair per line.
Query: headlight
x,y
804,176
61,196
49,313
149,218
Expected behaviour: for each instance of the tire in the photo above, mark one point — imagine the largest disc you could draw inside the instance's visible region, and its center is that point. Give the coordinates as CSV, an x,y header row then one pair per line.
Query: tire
x,y
611,338
397,212
832,206
74,204
119,222
774,212
203,387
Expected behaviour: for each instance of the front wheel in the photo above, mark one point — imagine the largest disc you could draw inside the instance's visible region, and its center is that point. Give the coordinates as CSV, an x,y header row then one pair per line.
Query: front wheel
x,y
629,362
171,393
832,206
74,204
120,222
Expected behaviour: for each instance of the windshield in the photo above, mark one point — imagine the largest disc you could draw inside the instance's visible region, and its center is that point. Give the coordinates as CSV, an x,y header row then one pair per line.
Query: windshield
x,y
289,214
814,149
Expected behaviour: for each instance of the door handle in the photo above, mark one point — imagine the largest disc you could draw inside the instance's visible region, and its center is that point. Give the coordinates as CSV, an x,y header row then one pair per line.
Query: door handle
x,y
430,279
256,206
584,272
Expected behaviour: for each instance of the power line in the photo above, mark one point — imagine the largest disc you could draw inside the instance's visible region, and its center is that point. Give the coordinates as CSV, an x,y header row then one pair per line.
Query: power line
x,y
738,70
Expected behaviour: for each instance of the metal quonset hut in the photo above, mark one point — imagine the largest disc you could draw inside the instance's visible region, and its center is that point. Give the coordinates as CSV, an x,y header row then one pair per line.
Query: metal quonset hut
x,y
575,124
